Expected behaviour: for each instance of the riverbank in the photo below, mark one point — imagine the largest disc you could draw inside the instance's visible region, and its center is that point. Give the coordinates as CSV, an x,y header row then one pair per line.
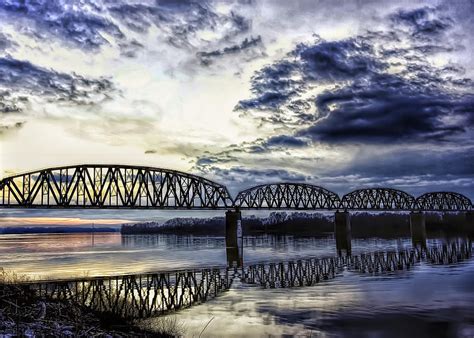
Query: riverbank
x,y
23,314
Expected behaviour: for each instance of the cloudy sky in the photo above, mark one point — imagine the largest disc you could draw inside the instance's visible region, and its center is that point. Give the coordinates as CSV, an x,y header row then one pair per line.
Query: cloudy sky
x,y
339,94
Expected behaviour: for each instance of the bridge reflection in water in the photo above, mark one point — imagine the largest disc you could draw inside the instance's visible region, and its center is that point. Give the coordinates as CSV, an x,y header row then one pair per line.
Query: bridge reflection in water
x,y
152,294
141,295
307,272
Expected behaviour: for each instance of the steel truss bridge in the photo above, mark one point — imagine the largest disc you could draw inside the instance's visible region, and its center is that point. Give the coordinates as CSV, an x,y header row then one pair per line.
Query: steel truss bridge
x,y
151,294
120,186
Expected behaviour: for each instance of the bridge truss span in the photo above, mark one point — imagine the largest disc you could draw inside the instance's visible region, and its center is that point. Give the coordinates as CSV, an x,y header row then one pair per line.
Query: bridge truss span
x,y
112,186
378,199
443,201
287,196
103,186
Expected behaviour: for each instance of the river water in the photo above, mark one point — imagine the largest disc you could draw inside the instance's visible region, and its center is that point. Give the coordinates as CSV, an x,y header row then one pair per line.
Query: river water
x,y
427,300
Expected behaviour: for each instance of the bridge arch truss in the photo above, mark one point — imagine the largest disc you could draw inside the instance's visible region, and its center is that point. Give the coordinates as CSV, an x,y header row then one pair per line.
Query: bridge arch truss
x,y
378,199
112,186
287,196
443,201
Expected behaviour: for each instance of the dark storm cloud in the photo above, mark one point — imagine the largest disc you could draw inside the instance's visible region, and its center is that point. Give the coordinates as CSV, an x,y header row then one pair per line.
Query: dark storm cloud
x,y
137,17
407,162
79,23
8,107
258,146
89,25
251,47
302,108
237,177
390,108
199,14
239,174
368,104
414,169
11,107
130,49
207,160
285,141
337,60
276,84
11,104
21,80
5,42
423,22
25,77
179,21
272,86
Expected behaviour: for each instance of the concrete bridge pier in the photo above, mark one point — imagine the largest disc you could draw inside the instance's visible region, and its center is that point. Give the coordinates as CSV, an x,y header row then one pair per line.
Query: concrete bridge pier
x,y
342,231
470,218
234,238
418,228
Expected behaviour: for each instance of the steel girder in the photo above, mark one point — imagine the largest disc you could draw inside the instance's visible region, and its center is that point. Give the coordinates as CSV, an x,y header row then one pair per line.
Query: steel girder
x,y
112,186
443,200
287,196
378,199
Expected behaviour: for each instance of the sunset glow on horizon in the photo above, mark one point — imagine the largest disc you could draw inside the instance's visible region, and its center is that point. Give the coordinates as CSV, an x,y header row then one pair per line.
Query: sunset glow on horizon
x,y
58,221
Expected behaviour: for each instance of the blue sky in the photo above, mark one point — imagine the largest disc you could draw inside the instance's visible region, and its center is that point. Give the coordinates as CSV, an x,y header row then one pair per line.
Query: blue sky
x,y
336,93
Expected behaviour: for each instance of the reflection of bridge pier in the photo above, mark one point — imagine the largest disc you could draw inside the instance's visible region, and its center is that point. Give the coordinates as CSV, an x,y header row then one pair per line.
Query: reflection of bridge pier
x,y
342,231
418,228
233,238
470,221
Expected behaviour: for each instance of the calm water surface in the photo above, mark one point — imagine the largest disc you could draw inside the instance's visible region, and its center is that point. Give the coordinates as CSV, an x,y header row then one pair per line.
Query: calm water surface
x,y
429,300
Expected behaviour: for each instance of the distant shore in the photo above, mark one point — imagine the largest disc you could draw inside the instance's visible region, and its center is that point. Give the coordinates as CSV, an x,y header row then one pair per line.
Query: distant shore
x,y
24,314
55,230
384,224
